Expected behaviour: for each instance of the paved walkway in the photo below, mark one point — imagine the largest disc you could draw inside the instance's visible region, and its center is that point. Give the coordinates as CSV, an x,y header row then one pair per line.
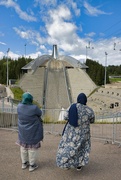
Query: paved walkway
x,y
105,161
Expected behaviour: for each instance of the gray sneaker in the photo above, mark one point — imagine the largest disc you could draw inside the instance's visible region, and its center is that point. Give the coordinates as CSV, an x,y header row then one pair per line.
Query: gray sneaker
x,y
33,167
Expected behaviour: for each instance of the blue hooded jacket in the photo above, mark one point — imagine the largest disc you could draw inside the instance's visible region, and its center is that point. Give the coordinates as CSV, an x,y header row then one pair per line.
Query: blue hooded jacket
x,y
29,125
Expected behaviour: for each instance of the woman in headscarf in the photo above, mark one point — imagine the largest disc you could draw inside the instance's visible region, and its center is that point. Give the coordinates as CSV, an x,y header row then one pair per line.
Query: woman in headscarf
x,y
75,145
30,131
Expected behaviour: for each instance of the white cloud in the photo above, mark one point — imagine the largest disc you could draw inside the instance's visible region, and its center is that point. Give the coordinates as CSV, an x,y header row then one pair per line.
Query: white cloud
x,y
59,27
23,15
62,31
32,36
11,55
15,56
2,43
22,33
75,8
34,55
93,11
102,46
78,51
43,47
45,2
91,34
62,12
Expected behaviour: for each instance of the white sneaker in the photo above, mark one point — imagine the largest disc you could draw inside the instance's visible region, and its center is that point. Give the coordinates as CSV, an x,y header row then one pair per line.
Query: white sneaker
x,y
66,168
79,168
33,167
25,165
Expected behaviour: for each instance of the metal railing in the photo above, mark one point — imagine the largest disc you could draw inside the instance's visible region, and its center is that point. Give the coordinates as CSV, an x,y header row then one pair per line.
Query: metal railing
x,y
106,127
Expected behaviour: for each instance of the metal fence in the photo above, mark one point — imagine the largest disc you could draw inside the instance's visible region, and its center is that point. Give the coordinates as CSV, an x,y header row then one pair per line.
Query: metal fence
x,y
106,127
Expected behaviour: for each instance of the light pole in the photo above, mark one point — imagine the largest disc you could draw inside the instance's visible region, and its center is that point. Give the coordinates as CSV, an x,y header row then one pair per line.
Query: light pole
x,y
7,66
105,67
86,52
25,50
88,47
114,46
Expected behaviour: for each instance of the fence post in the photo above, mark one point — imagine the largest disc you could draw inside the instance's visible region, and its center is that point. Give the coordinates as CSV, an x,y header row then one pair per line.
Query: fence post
x,y
11,101
113,136
3,104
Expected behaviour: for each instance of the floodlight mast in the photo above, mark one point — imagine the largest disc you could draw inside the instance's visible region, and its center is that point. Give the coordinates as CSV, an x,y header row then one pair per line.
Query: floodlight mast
x,y
105,67
25,50
7,67
87,47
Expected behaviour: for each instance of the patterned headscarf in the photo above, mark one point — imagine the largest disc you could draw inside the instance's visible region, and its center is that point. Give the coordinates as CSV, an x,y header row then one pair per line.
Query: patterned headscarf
x,y
27,98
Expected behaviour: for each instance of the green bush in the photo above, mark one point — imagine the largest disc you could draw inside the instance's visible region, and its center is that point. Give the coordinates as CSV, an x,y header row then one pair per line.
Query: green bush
x,y
17,93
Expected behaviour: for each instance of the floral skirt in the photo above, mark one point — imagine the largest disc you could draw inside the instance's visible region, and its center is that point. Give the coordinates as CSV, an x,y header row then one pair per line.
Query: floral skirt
x,y
73,149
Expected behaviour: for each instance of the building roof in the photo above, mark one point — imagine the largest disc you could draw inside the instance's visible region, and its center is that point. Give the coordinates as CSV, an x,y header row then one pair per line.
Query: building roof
x,y
41,60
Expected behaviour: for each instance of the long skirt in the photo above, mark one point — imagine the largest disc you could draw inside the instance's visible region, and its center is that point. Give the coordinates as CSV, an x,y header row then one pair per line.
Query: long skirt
x,y
74,148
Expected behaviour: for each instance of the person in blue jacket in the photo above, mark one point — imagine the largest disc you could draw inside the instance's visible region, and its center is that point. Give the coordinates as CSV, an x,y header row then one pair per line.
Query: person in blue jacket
x,y
30,131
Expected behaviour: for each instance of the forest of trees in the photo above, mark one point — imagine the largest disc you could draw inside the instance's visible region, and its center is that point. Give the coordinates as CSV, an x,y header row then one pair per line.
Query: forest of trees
x,y
95,70
114,70
14,68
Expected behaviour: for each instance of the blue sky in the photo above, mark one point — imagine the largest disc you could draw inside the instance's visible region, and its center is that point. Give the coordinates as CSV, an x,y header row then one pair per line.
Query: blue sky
x,y
80,28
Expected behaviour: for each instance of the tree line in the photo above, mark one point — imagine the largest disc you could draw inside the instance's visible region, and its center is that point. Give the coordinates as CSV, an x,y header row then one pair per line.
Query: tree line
x,y
114,70
14,68
97,72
